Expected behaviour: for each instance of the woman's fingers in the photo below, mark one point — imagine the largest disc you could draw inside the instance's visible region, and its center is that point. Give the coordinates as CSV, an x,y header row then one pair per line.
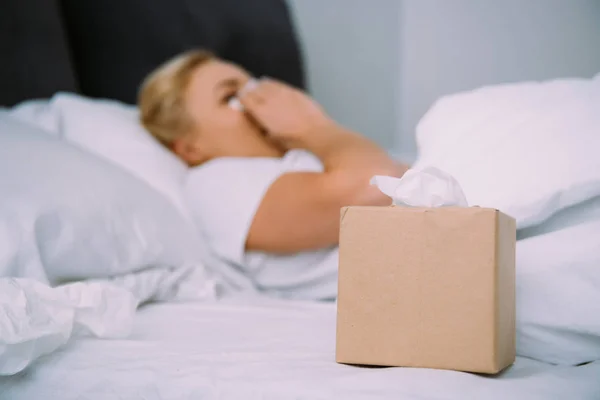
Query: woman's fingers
x,y
255,102
253,97
266,95
283,111
265,91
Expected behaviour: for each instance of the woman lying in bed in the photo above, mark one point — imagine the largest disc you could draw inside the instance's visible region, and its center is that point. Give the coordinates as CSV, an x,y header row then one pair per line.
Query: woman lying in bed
x,y
269,176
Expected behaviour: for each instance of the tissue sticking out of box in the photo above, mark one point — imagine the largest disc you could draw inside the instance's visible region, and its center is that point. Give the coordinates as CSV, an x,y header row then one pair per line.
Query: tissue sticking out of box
x,y
424,187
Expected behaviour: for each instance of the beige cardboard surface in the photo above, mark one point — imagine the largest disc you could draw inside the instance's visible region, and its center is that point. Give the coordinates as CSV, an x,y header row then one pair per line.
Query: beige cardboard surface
x,y
422,287
505,292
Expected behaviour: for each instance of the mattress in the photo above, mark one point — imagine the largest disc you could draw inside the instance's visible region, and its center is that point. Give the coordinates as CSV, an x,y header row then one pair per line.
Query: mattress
x,y
259,348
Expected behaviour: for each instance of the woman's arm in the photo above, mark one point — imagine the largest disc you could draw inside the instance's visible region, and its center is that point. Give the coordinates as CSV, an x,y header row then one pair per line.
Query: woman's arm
x,y
300,211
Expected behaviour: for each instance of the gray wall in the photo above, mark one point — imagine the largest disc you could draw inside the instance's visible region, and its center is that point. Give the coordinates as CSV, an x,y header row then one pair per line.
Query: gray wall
x,y
378,65
352,61
450,46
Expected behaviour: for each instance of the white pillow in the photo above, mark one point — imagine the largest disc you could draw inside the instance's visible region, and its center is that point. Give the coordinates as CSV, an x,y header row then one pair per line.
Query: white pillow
x,y
66,214
578,214
558,295
112,130
528,149
39,113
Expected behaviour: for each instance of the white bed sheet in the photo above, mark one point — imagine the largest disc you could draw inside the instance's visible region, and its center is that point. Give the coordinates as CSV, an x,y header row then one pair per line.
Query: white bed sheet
x,y
258,348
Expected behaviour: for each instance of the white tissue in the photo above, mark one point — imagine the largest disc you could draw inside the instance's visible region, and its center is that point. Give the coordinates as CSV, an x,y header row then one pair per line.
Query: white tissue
x,y
36,319
235,101
426,187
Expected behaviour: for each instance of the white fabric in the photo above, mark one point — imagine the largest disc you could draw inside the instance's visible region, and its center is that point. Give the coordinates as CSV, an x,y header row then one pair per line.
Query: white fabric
x,y
223,196
67,215
567,217
36,320
528,149
558,295
112,130
260,349
39,113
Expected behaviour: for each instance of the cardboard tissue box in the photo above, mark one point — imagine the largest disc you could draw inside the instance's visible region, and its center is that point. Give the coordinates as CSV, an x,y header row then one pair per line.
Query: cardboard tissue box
x,y
430,287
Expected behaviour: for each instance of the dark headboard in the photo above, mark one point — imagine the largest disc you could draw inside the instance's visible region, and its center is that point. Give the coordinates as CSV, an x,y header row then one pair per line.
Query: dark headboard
x,y
105,48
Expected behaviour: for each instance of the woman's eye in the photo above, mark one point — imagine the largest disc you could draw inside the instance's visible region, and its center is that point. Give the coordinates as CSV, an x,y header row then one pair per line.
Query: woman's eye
x,y
228,97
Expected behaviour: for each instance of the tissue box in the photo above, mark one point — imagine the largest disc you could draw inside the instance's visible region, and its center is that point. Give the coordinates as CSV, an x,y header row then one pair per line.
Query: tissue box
x,y
426,287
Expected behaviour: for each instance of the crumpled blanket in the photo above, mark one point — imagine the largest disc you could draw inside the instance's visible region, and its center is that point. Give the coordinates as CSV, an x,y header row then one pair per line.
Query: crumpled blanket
x,y
36,319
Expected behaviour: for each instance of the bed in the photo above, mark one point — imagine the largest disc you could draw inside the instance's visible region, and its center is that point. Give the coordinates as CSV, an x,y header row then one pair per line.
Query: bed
x,y
176,337
284,351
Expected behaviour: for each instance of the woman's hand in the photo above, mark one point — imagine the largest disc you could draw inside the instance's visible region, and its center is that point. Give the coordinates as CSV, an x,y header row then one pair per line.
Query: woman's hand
x,y
289,116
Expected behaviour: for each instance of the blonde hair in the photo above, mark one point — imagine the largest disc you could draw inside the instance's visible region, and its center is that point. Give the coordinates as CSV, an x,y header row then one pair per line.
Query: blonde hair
x,y
161,98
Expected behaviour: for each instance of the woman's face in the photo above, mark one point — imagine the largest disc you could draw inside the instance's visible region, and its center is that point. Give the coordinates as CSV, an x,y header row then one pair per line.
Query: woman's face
x,y
219,130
